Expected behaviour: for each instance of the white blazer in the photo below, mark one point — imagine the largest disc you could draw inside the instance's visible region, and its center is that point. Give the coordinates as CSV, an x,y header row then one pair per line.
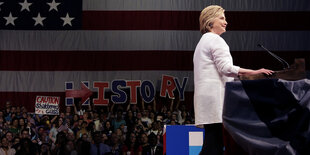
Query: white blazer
x,y
213,67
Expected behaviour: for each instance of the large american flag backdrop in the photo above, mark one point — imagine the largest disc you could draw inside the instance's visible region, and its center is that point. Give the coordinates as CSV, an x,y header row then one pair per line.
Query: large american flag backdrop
x,y
44,43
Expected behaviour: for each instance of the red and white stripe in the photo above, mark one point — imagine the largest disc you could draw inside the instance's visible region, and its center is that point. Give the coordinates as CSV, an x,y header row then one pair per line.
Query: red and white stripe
x,y
143,39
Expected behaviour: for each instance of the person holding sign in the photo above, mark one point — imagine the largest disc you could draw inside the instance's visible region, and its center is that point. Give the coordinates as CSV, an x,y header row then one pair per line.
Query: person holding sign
x,y
213,67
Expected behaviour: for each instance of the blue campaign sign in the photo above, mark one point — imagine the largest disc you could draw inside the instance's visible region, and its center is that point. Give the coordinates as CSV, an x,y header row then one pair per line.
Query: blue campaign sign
x,y
183,139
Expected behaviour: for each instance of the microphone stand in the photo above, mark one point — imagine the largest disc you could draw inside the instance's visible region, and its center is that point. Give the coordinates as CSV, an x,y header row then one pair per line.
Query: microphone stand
x,y
285,65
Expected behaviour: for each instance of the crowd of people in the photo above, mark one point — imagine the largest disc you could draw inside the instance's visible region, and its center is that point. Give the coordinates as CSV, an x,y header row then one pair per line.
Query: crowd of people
x,y
120,129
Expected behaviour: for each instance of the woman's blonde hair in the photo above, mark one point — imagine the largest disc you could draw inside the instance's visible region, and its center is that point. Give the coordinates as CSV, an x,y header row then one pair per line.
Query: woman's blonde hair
x,y
207,16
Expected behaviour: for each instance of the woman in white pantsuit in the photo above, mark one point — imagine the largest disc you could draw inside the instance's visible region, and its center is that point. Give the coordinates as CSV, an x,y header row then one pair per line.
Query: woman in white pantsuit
x,y
213,67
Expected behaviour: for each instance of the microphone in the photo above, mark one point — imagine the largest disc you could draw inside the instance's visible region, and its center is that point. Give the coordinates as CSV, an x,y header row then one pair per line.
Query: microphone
x,y
283,62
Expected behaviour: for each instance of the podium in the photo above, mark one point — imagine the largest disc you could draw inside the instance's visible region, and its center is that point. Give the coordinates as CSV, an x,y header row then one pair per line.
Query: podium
x,y
268,115
296,71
